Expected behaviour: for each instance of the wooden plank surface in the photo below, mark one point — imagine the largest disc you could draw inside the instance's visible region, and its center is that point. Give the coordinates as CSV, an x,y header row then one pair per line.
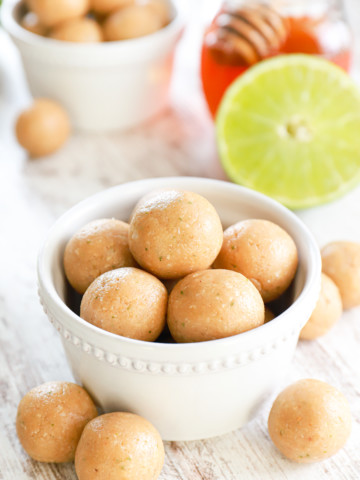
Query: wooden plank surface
x,y
34,193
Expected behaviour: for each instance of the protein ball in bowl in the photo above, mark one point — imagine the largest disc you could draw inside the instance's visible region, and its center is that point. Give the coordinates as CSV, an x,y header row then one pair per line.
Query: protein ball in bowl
x,y
309,421
50,420
327,312
263,252
52,12
131,22
213,304
98,247
43,128
119,446
82,30
341,262
175,233
127,302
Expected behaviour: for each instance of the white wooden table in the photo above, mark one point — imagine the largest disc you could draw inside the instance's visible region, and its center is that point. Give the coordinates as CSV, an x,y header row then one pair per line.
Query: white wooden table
x,y
33,193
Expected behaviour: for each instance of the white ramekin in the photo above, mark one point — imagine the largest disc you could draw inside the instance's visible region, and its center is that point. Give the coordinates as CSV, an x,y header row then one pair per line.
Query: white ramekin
x,y
188,391
105,86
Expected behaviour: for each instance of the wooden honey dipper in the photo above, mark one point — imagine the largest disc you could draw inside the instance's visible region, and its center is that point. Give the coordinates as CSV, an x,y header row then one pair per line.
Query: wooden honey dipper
x,y
245,35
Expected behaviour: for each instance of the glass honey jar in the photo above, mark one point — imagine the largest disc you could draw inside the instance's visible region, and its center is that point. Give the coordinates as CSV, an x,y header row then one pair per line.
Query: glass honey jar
x,y
245,32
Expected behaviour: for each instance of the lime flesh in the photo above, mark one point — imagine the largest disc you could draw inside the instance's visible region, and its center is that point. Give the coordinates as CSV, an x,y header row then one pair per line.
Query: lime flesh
x,y
290,128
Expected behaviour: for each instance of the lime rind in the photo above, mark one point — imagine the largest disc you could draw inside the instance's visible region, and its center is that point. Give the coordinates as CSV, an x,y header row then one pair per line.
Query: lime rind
x,y
322,101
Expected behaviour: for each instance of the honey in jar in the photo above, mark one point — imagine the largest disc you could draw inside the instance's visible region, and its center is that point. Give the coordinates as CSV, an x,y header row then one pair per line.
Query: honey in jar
x,y
246,32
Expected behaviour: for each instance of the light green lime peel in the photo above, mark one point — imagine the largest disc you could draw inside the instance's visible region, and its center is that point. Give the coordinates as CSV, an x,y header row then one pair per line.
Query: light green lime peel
x,y
290,128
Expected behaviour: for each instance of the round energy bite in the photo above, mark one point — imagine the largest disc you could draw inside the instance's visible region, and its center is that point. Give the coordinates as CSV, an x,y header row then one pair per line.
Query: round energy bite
x,y
119,446
98,247
43,128
52,12
82,30
213,304
145,199
263,252
131,22
128,302
175,233
327,312
50,420
341,262
309,421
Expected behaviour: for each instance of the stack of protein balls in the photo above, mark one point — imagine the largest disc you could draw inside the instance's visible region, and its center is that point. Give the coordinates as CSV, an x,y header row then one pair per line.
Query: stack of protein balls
x,y
90,21
218,282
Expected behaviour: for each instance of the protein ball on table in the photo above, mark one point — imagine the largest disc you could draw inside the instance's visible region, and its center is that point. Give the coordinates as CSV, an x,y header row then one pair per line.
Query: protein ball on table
x,y
52,12
263,252
131,22
309,421
50,419
98,247
119,446
82,30
327,312
43,128
213,304
341,262
127,302
175,233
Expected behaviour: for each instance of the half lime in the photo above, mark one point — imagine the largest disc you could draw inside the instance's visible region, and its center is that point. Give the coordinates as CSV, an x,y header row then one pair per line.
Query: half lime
x,y
290,128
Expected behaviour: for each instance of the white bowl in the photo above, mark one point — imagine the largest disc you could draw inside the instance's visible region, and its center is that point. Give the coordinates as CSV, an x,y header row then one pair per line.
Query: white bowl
x,y
105,86
188,391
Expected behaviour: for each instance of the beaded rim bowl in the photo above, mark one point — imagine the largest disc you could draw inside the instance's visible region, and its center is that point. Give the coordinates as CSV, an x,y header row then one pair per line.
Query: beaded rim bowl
x,y
117,371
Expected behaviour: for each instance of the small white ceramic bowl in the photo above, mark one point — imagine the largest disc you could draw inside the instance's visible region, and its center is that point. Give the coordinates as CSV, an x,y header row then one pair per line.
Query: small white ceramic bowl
x,y
188,391
105,86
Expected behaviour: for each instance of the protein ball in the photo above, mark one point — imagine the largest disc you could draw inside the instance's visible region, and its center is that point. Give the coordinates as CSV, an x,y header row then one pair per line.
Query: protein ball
x,y
98,247
43,128
52,12
309,421
119,446
128,302
213,304
131,22
327,312
30,22
263,252
341,262
146,198
50,420
175,233
104,7
83,30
